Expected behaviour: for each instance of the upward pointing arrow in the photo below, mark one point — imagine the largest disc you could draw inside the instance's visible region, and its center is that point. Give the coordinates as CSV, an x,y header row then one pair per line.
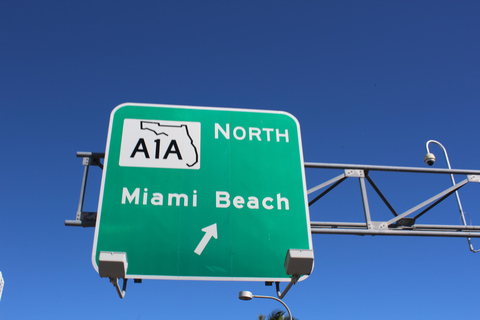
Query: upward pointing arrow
x,y
210,231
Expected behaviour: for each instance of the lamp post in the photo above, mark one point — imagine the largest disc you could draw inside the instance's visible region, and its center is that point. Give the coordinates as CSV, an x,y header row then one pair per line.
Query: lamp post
x,y
247,295
430,160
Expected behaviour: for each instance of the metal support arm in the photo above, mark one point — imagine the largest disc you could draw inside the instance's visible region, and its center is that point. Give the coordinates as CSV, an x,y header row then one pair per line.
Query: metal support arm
x,y
400,224
86,219
121,292
280,295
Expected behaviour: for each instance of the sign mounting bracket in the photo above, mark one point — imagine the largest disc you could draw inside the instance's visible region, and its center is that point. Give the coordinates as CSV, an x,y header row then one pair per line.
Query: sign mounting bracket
x,y
82,218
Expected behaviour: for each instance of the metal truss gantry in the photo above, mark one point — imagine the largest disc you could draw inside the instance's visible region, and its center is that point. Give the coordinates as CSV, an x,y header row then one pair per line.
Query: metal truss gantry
x,y
401,224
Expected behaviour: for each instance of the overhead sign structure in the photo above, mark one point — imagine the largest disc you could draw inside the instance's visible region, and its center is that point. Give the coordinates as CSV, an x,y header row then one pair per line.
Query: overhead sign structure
x,y
202,193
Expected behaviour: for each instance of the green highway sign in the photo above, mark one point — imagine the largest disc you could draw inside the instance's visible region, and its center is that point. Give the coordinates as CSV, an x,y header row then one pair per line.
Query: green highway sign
x,y
202,193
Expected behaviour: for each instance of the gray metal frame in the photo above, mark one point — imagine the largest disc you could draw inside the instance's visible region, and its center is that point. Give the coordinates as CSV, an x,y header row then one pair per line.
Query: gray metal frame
x,y
402,224
82,218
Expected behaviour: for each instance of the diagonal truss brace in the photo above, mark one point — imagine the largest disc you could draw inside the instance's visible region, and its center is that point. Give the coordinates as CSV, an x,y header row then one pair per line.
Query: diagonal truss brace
x,y
401,224
435,200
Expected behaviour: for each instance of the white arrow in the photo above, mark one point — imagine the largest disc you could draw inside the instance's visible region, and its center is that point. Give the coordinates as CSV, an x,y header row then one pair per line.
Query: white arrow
x,y
210,231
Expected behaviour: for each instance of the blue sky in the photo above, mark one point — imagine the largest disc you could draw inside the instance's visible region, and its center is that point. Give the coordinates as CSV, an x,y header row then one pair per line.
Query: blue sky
x,y
370,82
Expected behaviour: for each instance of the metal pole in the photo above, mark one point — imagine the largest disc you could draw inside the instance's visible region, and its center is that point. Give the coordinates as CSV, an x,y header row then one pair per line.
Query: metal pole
x,y
361,225
294,280
457,196
284,304
390,232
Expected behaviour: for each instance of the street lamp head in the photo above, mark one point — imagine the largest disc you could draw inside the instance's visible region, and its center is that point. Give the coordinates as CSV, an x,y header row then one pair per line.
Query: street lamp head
x,y
245,295
429,159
